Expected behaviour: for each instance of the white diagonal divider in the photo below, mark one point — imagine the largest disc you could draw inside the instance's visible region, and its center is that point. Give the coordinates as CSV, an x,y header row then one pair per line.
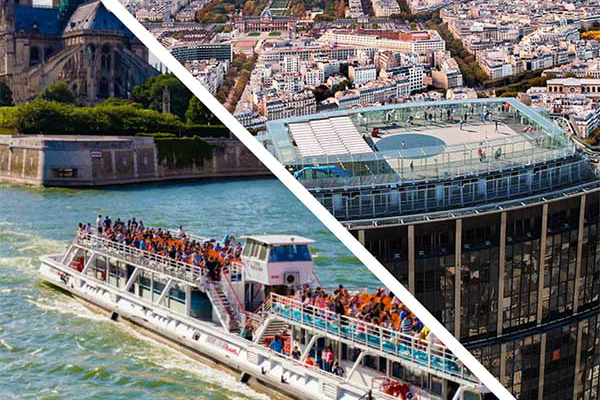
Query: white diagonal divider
x,y
307,199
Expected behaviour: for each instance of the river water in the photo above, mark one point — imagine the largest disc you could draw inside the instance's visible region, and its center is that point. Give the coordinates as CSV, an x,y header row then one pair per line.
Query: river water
x,y
51,347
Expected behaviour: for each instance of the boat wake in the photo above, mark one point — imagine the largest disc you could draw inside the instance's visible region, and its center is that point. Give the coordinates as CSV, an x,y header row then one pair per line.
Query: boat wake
x,y
169,358
158,354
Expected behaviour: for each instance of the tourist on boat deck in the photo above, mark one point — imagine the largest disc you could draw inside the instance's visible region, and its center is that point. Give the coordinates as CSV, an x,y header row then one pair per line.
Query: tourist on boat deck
x,y
180,247
248,331
381,308
338,370
328,357
296,353
276,345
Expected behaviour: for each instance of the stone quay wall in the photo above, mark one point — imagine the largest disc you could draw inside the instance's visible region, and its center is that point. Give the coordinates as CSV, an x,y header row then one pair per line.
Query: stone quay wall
x,y
92,161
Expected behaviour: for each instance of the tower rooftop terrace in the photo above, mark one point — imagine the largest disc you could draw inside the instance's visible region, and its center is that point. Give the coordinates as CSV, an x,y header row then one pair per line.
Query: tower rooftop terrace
x,y
404,143
405,163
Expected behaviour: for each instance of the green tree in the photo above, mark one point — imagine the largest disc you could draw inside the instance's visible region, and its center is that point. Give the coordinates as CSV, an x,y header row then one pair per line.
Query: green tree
x,y
344,85
50,117
113,101
58,92
198,113
6,95
150,94
321,93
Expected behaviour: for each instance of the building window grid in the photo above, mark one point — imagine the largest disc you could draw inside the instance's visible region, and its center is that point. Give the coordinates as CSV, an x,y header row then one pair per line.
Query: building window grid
x,y
434,273
489,357
521,271
479,293
393,251
590,268
523,367
434,281
589,376
559,368
589,293
559,274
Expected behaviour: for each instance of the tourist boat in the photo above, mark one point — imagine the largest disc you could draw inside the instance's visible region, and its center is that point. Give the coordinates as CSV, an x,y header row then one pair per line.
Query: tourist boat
x,y
179,303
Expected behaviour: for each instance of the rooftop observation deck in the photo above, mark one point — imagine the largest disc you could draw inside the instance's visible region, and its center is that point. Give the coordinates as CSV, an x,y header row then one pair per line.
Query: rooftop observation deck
x,y
402,347
417,142
426,163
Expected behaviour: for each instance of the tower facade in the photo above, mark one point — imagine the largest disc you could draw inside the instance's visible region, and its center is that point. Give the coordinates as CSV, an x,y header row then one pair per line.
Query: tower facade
x,y
496,232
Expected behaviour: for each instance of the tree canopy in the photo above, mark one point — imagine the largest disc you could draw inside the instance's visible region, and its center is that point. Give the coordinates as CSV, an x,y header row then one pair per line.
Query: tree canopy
x,y
198,113
150,94
58,92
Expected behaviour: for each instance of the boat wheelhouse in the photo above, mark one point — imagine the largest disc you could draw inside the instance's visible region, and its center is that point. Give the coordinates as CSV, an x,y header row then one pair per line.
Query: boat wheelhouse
x,y
231,319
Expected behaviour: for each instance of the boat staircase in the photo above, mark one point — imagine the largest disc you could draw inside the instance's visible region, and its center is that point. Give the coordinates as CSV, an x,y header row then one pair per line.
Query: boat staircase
x,y
271,328
406,349
227,311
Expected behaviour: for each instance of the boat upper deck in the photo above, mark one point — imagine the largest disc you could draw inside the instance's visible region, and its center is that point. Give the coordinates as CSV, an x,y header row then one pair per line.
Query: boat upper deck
x,y
410,349
178,270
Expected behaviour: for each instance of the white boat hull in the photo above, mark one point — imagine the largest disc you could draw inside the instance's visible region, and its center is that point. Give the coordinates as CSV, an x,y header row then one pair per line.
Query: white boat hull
x,y
209,343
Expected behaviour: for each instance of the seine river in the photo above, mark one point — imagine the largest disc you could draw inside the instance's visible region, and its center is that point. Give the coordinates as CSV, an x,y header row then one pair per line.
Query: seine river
x,y
51,347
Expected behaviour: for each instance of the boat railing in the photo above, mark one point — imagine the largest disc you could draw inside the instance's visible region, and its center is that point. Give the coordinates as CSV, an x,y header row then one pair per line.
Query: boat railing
x,y
219,304
408,347
153,261
237,306
261,314
235,270
419,394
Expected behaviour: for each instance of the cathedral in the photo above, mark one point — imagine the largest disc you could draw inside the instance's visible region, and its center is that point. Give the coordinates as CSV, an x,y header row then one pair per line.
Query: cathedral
x,y
80,43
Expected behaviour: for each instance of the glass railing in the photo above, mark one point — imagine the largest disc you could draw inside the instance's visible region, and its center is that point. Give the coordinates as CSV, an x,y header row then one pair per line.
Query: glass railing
x,y
455,195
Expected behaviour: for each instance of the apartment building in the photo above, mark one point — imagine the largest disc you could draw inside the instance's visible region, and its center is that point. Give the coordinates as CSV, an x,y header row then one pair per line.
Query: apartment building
x,y
412,42
414,74
285,105
362,74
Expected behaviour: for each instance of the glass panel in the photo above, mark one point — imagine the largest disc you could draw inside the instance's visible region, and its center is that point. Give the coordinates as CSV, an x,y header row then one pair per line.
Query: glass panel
x,y
290,253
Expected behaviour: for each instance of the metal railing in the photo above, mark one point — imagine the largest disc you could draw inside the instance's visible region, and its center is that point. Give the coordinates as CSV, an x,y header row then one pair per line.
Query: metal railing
x,y
167,266
422,353
457,194
217,302
238,309
261,314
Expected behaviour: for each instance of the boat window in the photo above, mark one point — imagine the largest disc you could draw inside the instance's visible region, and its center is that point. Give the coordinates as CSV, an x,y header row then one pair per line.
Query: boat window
x,y
113,268
247,248
290,253
382,365
369,361
144,280
436,386
158,287
471,396
255,250
397,370
264,250
177,293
